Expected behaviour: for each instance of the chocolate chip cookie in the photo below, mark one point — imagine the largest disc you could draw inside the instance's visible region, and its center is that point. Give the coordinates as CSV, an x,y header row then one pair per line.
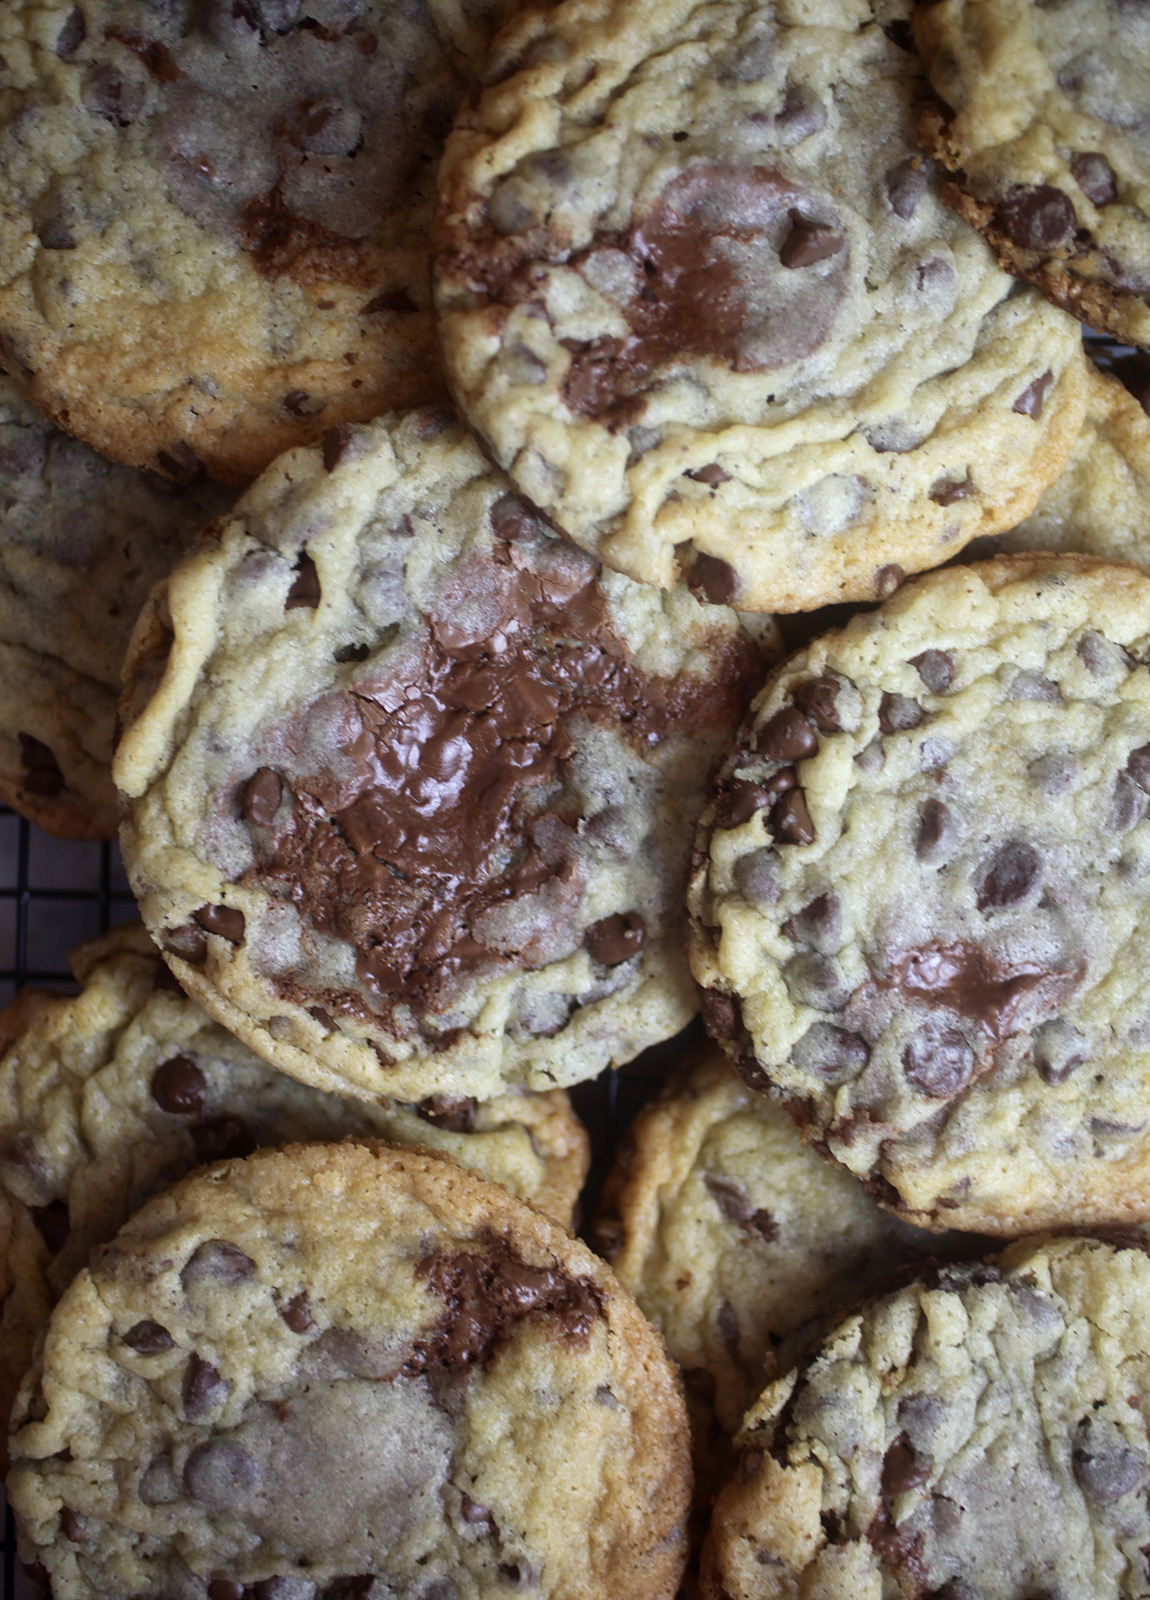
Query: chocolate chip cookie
x,y
411,800
737,1240
214,216
977,1435
700,295
109,1097
349,1370
81,544
922,889
1043,125
1101,501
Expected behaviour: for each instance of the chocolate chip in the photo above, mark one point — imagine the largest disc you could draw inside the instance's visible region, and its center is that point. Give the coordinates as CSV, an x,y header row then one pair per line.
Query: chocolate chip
x,y
42,771
187,942
157,1485
225,921
478,1517
455,1113
819,924
759,876
816,981
936,669
513,520
712,579
298,403
324,1018
1138,766
1127,804
72,1526
220,1474
55,234
729,1196
739,801
53,1223
1095,177
906,184
898,712
1026,684
831,1052
297,1313
204,1388
800,116
106,94
938,1061
712,475
818,698
149,1339
226,1589
222,1139
903,1468
617,938
286,1586
180,463
336,445
72,35
808,241
262,796
787,736
1052,773
1104,1465
1040,218
935,831
305,590
887,579
1032,399
791,820
180,1086
1058,1049
722,1016
1009,876
753,1075
217,1261
947,491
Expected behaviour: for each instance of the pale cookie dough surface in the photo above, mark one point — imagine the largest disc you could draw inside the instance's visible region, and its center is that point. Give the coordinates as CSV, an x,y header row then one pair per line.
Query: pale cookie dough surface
x,y
81,544
214,216
977,1435
737,1240
108,1098
1101,502
411,803
699,292
921,909
349,1370
1044,126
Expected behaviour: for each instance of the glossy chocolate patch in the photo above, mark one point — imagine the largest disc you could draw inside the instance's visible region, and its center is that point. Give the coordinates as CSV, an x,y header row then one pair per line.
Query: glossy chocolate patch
x,y
971,982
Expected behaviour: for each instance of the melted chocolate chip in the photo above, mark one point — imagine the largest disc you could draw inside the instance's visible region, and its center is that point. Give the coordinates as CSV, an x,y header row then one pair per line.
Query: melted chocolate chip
x,y
1032,399
180,1086
807,242
712,579
614,939
453,1112
759,876
187,942
72,35
938,1061
906,184
149,1339
787,736
513,520
936,669
220,1474
903,1468
898,712
297,1313
305,591
262,796
204,1388
42,775
722,1017
217,1261
791,820
935,831
969,981
948,491
1040,218
818,699
226,921
819,924
1012,873
1104,1465
739,801
1095,177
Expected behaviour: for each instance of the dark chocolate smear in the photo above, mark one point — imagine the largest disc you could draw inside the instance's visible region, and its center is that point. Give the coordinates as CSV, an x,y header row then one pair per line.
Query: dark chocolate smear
x,y
971,982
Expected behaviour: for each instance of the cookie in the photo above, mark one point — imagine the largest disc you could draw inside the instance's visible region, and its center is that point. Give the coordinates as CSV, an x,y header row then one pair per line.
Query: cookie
x,y
349,1370
977,1435
700,295
214,217
737,1240
921,892
109,1097
1101,501
410,808
1043,128
81,544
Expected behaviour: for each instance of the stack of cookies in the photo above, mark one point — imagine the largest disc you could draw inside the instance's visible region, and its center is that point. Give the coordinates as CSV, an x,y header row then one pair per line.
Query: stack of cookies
x,y
460,758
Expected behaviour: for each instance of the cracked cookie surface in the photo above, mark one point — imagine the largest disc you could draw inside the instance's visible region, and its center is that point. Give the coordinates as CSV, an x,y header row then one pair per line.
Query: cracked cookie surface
x,y
411,782
1043,125
700,294
977,1435
349,1370
921,896
107,1098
